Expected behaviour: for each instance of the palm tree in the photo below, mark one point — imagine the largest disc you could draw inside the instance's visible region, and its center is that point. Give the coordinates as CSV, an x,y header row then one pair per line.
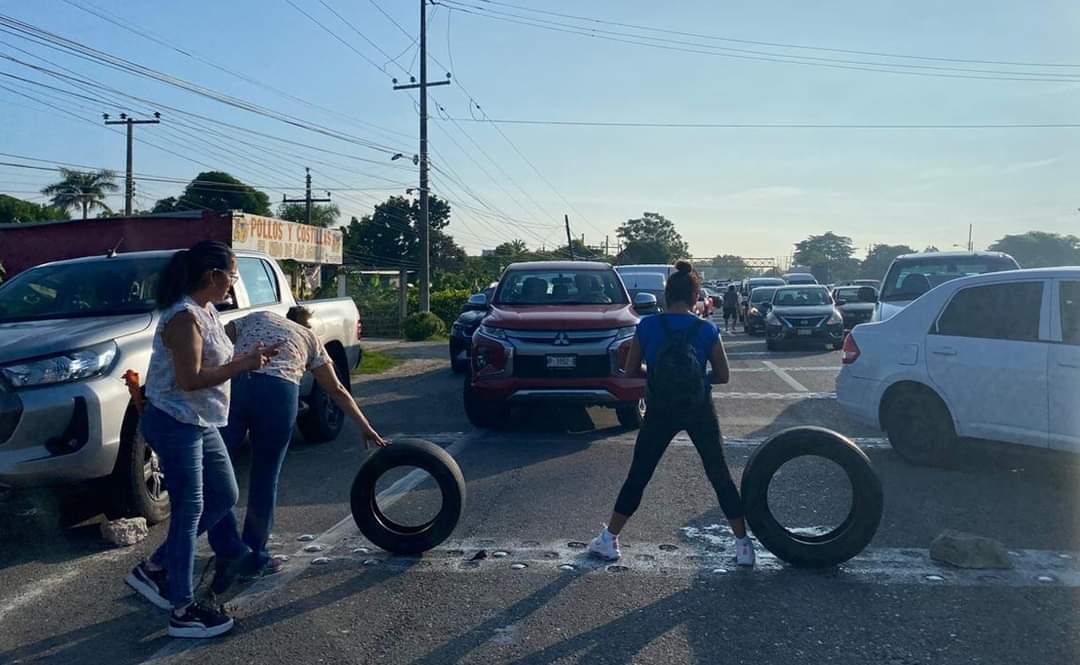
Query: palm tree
x,y
85,189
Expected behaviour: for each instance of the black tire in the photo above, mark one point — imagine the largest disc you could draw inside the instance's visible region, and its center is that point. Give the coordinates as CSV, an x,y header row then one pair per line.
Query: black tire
x,y
772,344
482,413
631,415
919,426
323,420
458,366
812,551
137,483
384,532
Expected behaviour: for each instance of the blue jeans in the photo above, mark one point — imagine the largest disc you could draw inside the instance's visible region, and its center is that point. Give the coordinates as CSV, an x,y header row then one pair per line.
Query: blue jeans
x,y
266,407
202,490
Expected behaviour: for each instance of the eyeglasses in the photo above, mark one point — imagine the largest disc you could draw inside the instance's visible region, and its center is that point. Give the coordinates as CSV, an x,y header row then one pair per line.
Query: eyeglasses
x,y
234,277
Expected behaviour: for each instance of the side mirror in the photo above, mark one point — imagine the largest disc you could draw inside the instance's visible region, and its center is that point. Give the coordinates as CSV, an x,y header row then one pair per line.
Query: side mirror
x,y
867,294
477,302
840,302
645,303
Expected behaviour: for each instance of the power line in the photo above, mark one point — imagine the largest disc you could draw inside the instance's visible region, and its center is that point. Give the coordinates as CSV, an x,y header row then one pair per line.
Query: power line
x,y
881,54
744,125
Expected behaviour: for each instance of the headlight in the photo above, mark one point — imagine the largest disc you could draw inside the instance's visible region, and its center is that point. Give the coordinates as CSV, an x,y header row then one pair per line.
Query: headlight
x,y
754,311
623,333
458,330
63,368
496,333
835,318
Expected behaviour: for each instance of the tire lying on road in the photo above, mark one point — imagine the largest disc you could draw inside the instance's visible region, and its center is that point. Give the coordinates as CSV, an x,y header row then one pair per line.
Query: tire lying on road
x,y
400,538
805,550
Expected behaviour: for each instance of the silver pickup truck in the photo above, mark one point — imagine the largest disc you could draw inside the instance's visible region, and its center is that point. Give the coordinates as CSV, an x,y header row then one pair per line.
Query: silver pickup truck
x,y
69,331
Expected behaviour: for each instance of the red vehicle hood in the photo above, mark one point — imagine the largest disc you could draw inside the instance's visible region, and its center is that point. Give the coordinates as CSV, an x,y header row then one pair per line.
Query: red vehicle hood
x,y
561,317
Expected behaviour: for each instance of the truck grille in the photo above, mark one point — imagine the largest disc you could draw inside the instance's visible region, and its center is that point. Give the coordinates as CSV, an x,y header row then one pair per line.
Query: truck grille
x,y
805,321
535,367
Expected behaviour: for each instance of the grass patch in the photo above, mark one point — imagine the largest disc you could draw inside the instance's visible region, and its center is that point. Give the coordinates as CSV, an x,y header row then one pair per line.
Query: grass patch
x,y
377,362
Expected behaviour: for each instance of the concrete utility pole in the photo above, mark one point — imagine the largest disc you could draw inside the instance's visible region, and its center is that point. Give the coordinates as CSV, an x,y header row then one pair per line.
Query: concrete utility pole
x,y
569,239
129,182
307,200
425,215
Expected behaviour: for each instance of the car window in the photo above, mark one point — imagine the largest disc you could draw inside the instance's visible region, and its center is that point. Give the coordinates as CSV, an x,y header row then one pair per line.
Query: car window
x,y
1070,312
560,287
994,311
801,297
260,283
762,294
909,279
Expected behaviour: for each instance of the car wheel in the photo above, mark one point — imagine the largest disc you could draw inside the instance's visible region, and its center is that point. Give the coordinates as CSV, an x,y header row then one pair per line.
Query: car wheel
x,y
818,550
401,538
323,420
138,483
919,426
631,415
481,413
458,366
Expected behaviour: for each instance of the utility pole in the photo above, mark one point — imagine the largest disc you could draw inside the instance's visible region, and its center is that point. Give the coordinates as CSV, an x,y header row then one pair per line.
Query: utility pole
x,y
971,247
569,239
425,216
307,200
129,182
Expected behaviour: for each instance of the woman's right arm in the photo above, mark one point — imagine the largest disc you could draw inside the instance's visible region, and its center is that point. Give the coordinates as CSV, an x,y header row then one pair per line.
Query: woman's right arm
x,y
184,338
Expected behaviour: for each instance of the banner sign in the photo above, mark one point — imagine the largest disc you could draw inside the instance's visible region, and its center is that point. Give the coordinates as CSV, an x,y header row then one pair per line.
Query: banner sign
x,y
286,240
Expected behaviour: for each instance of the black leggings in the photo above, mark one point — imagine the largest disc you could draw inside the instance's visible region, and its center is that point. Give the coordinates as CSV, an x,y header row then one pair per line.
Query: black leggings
x,y
653,439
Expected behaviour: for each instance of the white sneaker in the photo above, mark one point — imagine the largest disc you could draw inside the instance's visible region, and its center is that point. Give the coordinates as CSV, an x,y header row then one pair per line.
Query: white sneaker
x,y
605,546
744,552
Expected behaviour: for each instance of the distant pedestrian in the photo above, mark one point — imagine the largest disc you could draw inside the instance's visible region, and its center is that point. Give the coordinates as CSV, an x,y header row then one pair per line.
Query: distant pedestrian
x,y
187,391
731,308
264,405
676,346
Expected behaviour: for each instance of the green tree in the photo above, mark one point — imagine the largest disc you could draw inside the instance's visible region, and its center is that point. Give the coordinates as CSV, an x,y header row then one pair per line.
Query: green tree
x,y
729,266
13,211
824,254
216,190
389,236
1039,249
653,236
321,215
82,189
880,257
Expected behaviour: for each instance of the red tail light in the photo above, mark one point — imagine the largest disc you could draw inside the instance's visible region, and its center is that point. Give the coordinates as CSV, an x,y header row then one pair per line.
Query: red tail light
x,y
851,349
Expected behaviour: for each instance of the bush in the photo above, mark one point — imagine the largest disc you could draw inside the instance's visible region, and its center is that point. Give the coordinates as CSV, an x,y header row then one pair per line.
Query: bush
x,y
418,327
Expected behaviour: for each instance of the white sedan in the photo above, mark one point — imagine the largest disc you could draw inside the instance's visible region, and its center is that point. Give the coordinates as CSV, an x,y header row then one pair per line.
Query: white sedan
x,y
992,357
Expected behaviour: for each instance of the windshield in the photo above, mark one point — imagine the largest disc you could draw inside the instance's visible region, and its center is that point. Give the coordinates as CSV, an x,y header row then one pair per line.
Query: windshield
x,y
92,288
849,293
801,297
910,278
561,287
762,294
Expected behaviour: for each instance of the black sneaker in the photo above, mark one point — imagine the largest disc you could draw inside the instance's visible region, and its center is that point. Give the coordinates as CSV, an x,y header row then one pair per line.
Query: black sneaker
x,y
226,573
199,621
151,584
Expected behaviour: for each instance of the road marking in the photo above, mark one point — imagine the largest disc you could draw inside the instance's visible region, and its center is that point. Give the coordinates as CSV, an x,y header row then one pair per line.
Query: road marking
x,y
762,370
36,590
299,561
773,396
785,377
708,552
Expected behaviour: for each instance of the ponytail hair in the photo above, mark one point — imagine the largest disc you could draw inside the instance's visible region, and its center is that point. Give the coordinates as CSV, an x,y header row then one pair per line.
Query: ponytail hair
x,y
184,272
299,314
683,285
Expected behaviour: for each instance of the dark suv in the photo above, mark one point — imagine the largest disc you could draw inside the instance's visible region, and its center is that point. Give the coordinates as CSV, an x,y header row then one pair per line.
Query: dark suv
x,y
466,324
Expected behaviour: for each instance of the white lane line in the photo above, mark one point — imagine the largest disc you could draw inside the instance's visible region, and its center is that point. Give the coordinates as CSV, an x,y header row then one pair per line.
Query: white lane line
x,y
299,561
785,377
37,589
773,396
708,551
762,370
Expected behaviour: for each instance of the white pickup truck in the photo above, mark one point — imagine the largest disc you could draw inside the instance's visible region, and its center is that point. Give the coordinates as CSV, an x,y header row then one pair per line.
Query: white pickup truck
x,y
69,330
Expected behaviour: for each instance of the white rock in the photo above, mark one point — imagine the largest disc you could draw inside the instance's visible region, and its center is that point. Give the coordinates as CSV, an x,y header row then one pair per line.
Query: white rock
x,y
124,532
966,550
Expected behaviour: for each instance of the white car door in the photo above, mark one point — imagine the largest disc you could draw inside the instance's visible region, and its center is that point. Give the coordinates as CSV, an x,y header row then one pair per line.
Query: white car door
x,y
1064,369
987,356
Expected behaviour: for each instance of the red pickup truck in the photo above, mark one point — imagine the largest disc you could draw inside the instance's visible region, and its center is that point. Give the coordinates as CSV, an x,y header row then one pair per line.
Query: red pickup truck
x,y
557,333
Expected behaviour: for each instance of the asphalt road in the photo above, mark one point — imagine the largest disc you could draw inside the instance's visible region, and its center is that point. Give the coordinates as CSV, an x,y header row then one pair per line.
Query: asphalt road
x,y
513,586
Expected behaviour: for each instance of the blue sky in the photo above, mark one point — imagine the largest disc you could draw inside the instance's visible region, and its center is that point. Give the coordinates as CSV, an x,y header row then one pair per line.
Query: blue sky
x,y
752,192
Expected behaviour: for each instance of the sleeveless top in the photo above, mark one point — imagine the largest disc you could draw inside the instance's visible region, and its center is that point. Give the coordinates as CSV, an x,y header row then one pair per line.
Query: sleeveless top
x,y
206,407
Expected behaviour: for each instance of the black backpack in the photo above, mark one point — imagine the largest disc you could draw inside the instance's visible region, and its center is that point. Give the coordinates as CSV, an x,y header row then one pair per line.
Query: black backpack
x,y
676,379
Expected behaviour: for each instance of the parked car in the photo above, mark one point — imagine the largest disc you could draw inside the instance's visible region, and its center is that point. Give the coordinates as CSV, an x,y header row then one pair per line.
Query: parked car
x,y
68,332
911,275
652,283
992,357
747,287
759,304
798,278
475,309
856,304
801,314
557,333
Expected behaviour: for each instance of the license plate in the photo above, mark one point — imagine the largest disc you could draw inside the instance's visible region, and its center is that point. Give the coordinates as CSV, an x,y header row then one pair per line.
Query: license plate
x,y
561,362
804,331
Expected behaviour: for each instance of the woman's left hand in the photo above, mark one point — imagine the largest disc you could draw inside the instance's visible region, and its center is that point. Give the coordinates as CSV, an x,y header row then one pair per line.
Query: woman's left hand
x,y
371,435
